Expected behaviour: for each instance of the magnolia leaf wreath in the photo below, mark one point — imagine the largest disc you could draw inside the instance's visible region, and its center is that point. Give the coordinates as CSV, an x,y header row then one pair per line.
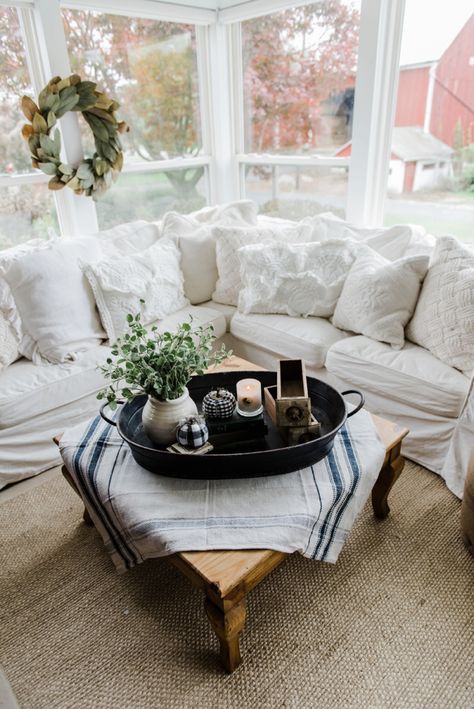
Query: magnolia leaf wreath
x,y
93,176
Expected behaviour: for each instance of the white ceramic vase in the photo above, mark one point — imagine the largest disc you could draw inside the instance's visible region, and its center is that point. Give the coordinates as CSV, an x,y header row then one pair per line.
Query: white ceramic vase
x,y
160,418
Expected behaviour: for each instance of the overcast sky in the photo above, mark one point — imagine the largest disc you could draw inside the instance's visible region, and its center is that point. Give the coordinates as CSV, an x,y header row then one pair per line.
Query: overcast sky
x,y
430,26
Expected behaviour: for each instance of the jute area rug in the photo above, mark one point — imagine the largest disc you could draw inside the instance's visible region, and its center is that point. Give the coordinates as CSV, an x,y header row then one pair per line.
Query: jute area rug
x,y
390,625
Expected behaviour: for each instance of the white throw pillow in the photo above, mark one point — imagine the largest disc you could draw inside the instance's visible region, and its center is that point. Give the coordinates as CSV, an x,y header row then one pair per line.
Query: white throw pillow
x,y
54,301
392,242
294,279
128,238
8,343
443,322
230,239
197,245
379,296
243,212
120,284
7,257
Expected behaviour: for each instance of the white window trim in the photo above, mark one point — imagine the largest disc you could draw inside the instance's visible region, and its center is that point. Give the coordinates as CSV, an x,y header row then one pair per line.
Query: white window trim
x,y
221,105
374,108
292,160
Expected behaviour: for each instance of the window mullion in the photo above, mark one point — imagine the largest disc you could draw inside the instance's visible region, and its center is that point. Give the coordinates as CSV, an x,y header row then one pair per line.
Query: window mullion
x,y
374,108
77,214
223,150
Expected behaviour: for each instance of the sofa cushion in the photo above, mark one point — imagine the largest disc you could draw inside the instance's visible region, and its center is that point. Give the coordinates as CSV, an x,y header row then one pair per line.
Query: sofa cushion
x,y
54,300
228,311
230,239
198,255
127,238
28,390
379,296
391,242
443,321
242,211
293,338
149,282
412,376
294,279
201,315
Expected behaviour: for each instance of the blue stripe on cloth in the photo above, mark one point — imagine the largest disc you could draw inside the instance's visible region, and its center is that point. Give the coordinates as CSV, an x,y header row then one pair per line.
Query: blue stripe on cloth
x,y
93,468
354,467
126,532
147,526
335,479
316,521
84,475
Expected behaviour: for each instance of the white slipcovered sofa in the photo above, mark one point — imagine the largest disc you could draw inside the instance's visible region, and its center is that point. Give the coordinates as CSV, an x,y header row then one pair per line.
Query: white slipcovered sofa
x,y
409,385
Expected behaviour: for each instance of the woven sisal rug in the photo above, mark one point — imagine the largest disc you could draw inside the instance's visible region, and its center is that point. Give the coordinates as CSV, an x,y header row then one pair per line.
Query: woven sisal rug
x,y
390,625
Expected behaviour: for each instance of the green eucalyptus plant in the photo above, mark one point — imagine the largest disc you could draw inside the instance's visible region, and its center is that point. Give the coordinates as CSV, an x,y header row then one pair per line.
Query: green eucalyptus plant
x,y
158,364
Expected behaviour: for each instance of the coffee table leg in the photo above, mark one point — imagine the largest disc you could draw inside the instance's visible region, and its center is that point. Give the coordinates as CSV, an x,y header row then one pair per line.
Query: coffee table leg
x,y
85,515
227,625
391,469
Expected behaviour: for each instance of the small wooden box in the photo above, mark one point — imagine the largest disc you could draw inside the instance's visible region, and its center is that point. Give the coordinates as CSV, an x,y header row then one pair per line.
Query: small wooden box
x,y
269,397
293,405
303,434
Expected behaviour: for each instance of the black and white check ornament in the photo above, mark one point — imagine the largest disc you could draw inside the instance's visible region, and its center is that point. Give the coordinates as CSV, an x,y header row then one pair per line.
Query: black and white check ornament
x,y
192,432
218,404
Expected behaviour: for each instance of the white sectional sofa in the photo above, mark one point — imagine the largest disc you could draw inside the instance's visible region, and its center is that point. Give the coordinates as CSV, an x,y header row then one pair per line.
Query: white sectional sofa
x,y
410,385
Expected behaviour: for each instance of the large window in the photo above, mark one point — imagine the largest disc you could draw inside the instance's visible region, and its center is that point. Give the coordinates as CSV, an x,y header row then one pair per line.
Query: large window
x,y
298,75
431,179
151,67
26,207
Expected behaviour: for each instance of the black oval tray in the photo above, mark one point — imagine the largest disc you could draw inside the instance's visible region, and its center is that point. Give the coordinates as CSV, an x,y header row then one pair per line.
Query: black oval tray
x,y
267,456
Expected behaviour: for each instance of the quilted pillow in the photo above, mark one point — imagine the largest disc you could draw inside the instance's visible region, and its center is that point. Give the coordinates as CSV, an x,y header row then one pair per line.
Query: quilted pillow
x,y
443,322
54,301
294,279
379,296
230,239
119,285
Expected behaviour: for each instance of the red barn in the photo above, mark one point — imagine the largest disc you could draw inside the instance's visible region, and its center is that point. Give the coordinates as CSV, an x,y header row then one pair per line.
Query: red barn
x,y
452,109
439,96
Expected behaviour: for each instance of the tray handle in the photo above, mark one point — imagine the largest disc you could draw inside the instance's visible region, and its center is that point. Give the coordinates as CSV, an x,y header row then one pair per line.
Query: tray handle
x,y
359,405
106,418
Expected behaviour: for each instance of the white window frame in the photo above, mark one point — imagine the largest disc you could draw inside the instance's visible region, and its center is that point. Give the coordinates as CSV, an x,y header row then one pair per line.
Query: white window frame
x,y
374,107
219,58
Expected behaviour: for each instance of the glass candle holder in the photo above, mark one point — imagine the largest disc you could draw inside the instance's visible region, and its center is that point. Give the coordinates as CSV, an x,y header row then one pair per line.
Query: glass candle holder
x,y
249,397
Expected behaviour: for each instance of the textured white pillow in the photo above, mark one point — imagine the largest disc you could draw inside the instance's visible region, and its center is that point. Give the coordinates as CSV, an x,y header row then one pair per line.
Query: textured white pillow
x,y
120,284
294,279
243,212
197,245
379,296
54,301
443,321
392,242
230,239
8,344
128,238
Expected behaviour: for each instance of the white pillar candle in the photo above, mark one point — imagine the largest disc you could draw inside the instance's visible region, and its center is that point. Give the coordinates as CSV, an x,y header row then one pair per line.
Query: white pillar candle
x,y
249,397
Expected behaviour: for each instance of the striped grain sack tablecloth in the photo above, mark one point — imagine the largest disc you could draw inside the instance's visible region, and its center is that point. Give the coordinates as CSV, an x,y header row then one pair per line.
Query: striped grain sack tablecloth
x,y
141,515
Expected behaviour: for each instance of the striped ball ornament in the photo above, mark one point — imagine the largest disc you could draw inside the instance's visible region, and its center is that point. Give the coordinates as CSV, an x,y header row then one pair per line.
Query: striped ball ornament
x,y
218,404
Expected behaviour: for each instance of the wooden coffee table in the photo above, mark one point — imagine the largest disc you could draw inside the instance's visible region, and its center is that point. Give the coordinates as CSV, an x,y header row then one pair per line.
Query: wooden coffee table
x,y
227,576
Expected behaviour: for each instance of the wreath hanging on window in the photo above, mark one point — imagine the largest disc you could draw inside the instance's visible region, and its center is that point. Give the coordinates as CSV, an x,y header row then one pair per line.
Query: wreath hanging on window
x,y
93,176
